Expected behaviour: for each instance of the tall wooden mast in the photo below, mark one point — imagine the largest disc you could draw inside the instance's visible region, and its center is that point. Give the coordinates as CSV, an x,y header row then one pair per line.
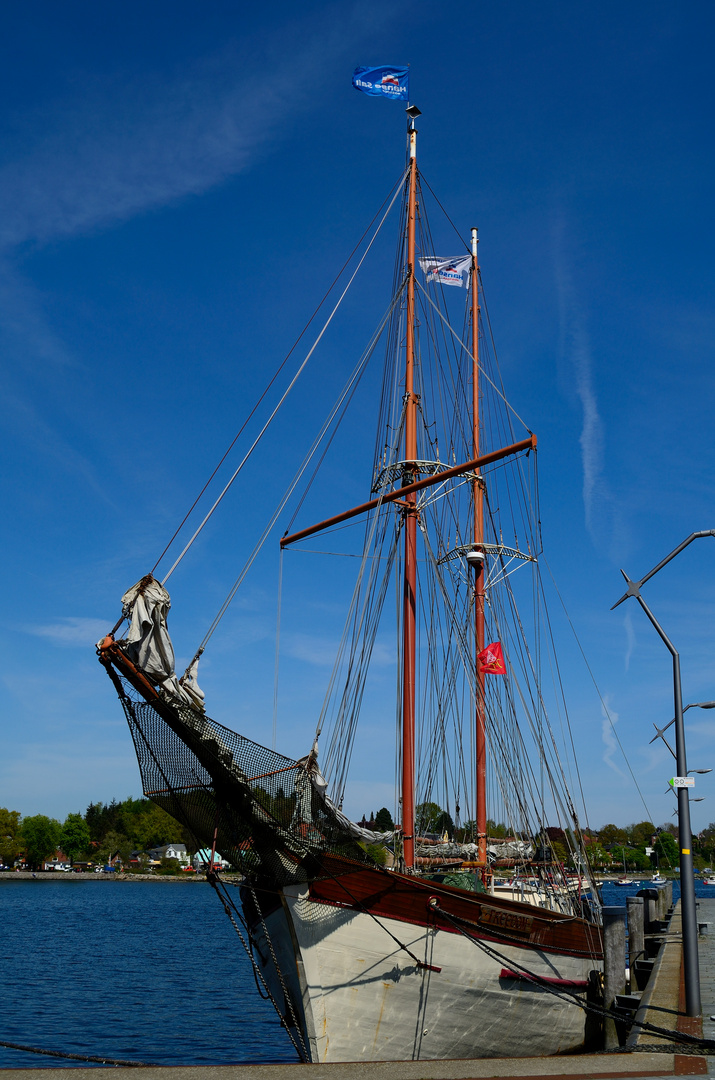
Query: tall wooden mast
x,y
410,578
478,563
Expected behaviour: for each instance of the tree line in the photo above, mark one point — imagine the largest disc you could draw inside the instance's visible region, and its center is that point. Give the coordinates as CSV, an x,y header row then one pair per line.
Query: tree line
x,y
104,830
108,829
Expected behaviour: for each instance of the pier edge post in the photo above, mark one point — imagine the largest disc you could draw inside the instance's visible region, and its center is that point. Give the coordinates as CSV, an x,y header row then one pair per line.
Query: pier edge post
x,y
614,968
636,931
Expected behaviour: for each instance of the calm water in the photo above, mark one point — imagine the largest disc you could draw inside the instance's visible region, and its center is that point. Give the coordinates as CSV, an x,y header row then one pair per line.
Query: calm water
x,y
616,894
149,971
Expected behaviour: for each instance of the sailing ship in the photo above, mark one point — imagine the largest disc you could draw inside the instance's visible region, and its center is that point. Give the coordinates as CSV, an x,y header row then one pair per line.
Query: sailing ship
x,y
397,945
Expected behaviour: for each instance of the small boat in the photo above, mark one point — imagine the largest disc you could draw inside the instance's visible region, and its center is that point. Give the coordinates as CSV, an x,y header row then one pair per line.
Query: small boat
x,y
709,880
626,881
658,879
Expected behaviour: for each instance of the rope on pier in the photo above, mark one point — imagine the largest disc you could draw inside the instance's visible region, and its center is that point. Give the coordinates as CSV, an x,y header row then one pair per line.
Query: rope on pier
x,y
706,1048
75,1057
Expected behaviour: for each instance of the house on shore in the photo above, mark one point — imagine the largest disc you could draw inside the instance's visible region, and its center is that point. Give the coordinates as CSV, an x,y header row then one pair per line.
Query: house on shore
x,y
59,861
202,859
169,851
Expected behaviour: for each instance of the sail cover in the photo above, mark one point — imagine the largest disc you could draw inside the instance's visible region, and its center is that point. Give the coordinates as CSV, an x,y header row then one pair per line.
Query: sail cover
x,y
148,644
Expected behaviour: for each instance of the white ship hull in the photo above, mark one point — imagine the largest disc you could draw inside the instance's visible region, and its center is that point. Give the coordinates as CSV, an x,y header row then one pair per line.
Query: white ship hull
x,y
358,996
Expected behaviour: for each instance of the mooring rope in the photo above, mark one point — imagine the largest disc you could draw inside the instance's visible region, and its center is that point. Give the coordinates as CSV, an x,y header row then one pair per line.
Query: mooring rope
x,y
693,1043
78,1057
227,903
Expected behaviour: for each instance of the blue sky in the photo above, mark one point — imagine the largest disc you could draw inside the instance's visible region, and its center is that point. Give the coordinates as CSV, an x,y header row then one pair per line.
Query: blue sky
x,y
178,189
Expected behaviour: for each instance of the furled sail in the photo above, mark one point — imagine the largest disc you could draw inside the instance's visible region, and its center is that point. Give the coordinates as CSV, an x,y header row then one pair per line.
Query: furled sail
x,y
149,646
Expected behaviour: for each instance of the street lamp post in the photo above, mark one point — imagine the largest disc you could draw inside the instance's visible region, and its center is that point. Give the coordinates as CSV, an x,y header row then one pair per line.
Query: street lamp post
x,y
691,965
660,732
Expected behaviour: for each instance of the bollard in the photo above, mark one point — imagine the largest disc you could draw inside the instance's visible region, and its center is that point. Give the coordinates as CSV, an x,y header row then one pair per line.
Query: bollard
x,y
669,891
614,968
662,904
636,931
650,911
665,902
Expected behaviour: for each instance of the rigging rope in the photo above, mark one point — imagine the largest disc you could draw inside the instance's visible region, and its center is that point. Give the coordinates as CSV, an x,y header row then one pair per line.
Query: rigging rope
x,y
292,383
468,351
227,903
344,396
277,372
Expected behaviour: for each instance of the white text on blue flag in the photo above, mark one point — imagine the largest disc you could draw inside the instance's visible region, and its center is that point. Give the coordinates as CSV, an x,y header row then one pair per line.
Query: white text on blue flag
x,y
389,82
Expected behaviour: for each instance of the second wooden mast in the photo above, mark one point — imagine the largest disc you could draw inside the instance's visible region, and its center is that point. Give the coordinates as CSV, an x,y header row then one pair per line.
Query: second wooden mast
x,y
479,559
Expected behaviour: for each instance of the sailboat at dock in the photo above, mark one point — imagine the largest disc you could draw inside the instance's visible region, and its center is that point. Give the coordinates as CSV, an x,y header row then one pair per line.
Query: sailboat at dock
x,y
397,945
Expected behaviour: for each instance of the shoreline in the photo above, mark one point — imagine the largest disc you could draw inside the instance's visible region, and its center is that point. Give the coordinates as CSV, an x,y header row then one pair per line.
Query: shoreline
x,y
56,875
234,878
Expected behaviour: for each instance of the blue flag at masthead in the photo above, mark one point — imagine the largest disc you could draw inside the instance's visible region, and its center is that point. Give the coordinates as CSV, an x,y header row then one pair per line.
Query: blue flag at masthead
x,y
389,82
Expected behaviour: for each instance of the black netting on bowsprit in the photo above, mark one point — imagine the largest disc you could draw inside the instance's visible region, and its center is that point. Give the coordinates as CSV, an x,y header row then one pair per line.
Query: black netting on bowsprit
x,y
262,808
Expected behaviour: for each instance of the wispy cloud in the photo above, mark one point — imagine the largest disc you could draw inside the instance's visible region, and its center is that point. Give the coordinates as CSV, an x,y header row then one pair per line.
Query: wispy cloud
x,y
127,145
630,639
608,735
71,630
118,146
322,652
602,516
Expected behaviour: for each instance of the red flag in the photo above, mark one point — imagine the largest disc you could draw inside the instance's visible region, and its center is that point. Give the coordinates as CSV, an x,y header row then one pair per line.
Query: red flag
x,y
491,660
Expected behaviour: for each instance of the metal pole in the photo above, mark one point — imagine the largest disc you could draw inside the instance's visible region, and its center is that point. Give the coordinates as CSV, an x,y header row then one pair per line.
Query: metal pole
x,y
691,964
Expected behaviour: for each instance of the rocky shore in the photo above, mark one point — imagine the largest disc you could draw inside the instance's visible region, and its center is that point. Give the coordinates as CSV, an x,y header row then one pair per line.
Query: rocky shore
x,y
55,875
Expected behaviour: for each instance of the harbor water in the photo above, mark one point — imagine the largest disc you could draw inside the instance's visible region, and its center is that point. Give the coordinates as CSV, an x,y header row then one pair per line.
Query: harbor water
x,y
140,970
147,971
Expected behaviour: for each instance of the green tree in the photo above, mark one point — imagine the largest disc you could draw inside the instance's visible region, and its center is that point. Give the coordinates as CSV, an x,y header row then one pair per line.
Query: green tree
x,y
145,824
156,827
103,818
42,837
640,835
10,836
611,834
115,843
597,855
426,817
634,859
444,824
74,838
666,848
169,866
561,852
383,820
377,853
